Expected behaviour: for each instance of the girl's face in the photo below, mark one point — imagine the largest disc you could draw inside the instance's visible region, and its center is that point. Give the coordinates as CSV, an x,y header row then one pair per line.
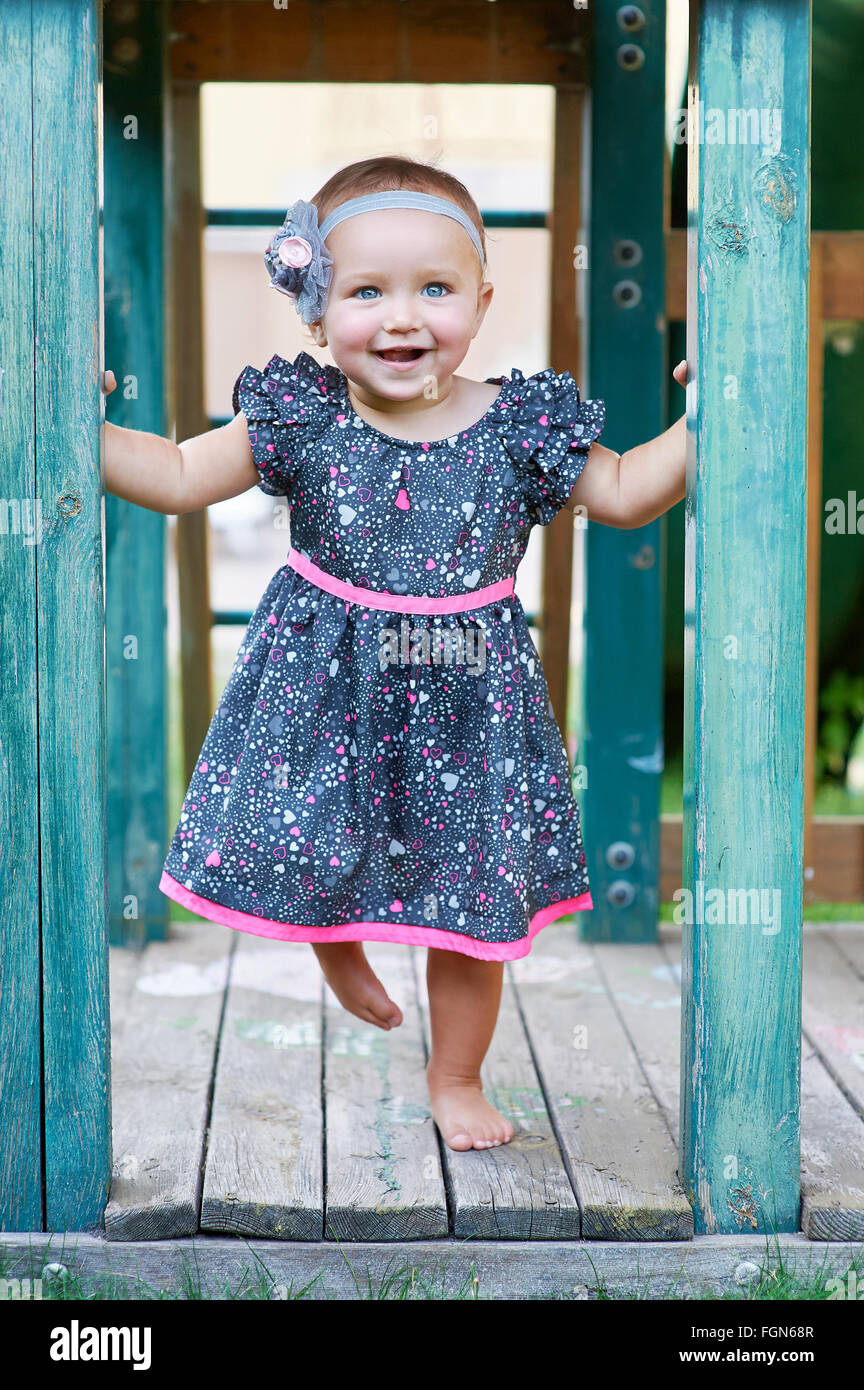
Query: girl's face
x,y
406,297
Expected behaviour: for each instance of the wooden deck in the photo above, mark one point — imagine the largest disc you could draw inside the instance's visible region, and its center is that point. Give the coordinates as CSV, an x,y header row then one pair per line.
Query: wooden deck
x,y
247,1101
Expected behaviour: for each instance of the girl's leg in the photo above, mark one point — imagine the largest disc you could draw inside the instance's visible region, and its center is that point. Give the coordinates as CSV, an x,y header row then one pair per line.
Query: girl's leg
x,y
464,995
355,984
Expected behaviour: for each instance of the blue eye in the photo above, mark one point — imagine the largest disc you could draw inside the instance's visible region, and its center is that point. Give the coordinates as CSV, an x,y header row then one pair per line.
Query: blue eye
x,y
364,288
437,284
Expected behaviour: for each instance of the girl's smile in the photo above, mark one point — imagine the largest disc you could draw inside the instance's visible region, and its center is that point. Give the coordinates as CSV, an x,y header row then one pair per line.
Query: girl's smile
x,y
402,359
406,300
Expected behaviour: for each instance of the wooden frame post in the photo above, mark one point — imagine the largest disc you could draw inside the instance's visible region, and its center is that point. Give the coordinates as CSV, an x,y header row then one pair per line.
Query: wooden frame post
x,y
565,355
623,675
54,1006
745,608
813,888
134,44
187,357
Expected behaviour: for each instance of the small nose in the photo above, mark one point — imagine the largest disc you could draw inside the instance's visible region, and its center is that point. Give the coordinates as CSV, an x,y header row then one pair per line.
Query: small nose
x,y
402,315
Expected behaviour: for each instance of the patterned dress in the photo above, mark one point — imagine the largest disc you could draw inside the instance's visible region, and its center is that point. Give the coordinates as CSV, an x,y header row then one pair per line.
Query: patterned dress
x,y
384,763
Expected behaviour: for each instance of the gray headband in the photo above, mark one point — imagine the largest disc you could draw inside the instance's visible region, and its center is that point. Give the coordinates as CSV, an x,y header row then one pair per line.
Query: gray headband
x,y
299,263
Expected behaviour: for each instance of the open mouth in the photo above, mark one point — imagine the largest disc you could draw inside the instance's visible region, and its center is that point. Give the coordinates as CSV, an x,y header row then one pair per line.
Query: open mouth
x,y
402,354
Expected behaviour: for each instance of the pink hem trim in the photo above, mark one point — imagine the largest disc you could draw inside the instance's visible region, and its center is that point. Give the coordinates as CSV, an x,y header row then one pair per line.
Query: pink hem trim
x,y
400,603
406,934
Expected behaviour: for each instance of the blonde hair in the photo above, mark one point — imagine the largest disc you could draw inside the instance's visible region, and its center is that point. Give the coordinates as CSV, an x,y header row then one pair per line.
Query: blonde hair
x,y
389,171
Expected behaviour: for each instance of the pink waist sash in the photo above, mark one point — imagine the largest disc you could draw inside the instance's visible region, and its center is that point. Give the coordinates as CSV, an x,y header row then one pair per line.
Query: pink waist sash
x,y
400,603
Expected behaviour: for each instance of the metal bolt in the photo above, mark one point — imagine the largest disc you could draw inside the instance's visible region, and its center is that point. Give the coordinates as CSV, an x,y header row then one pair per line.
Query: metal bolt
x,y
644,558
620,855
631,57
621,893
630,17
627,294
627,252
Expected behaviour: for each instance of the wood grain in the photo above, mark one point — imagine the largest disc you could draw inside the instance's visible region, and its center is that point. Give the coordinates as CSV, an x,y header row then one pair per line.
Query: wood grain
x,y
69,635
264,1174
164,1042
744,627
20,982
619,1152
426,41
135,638
384,1179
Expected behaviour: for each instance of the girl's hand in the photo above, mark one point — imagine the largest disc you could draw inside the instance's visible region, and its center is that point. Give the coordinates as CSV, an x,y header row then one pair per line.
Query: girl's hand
x,y
680,373
108,382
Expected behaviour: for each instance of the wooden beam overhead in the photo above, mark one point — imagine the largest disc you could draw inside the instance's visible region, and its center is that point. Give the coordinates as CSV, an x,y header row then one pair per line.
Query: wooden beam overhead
x,y
379,41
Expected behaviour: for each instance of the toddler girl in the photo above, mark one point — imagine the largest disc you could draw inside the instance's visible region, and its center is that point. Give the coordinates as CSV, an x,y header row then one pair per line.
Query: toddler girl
x,y
384,763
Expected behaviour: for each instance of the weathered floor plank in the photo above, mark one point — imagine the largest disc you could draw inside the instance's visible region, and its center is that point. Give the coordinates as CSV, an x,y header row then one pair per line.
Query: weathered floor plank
x,y
832,1139
707,1266
124,965
832,1134
519,1191
163,1042
620,1155
613,1105
263,1174
833,1012
384,1179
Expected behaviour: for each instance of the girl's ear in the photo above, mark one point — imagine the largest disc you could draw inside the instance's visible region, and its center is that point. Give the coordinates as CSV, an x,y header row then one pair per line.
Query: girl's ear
x,y
319,337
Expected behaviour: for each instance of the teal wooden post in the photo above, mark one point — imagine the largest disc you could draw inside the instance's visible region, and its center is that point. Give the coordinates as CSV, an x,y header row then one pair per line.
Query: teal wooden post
x,y
20,525
623,672
54,920
745,604
134,42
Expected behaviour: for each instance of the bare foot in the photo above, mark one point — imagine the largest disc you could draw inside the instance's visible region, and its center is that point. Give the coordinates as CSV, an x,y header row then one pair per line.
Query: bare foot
x,y
355,984
462,1113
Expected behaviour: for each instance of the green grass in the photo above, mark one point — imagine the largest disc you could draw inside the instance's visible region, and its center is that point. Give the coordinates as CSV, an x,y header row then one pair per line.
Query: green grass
x,y
407,1282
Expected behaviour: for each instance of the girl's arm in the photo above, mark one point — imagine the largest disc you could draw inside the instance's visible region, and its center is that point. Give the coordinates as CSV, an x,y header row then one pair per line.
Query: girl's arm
x,y
162,476
630,489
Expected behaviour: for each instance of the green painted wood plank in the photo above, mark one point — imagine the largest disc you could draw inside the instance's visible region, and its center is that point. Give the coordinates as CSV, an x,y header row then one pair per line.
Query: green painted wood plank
x,y
134,41
20,526
745,600
70,611
623,671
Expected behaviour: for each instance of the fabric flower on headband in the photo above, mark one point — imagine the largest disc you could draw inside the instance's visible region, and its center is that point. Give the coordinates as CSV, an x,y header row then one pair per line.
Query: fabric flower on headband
x,y
299,263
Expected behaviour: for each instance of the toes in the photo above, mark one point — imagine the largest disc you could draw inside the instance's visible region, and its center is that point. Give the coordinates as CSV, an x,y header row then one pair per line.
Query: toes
x,y
460,1141
387,1017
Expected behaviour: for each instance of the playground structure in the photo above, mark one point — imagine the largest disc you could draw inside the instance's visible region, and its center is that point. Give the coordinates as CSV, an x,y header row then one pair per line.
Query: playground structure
x,y
85,813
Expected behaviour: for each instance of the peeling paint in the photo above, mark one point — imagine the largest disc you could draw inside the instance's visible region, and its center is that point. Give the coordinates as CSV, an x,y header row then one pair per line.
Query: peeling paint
x,y
728,230
774,183
517,1102
743,1207
271,1033
186,978
401,1111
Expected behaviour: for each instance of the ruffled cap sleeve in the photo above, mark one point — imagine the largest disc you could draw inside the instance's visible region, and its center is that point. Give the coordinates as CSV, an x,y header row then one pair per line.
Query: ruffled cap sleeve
x,y
547,429
287,407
